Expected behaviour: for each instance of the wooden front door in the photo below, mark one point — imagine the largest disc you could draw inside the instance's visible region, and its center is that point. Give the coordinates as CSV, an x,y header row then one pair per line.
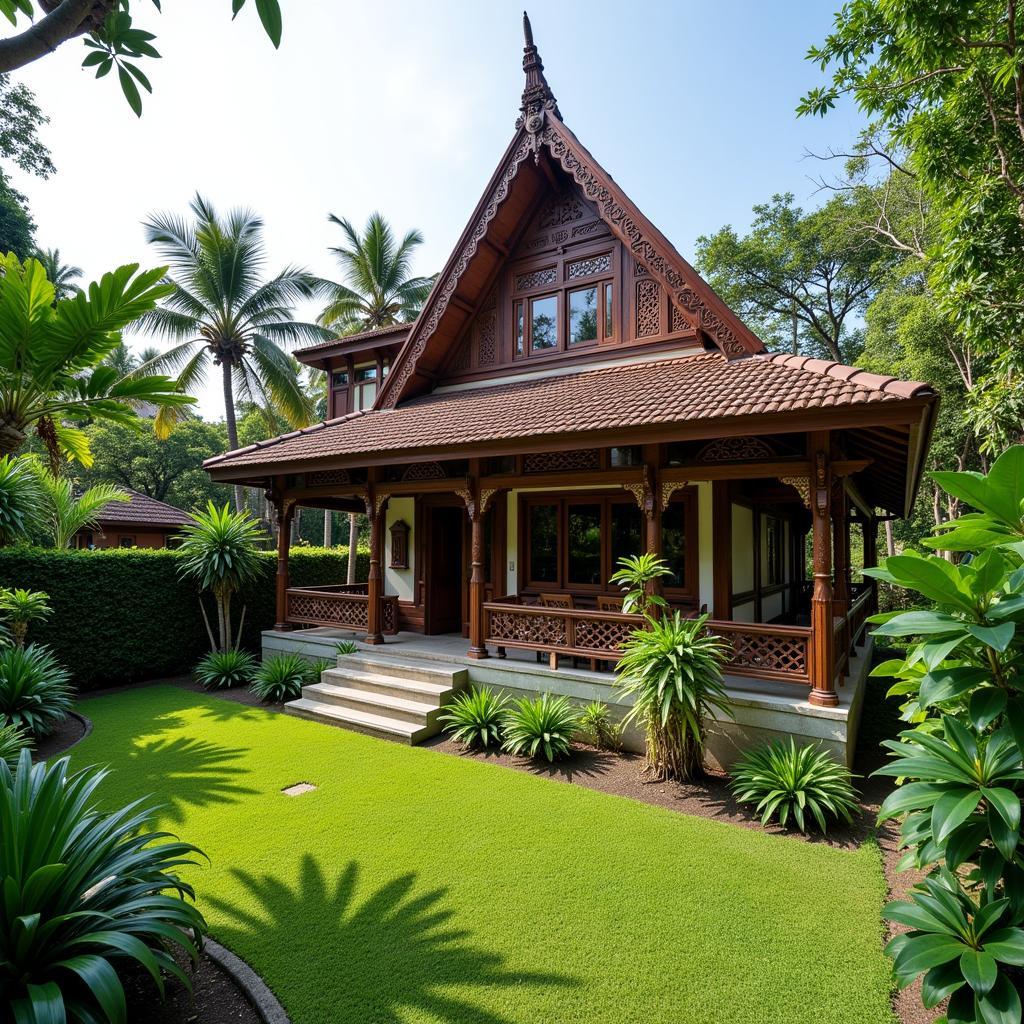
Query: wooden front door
x,y
445,577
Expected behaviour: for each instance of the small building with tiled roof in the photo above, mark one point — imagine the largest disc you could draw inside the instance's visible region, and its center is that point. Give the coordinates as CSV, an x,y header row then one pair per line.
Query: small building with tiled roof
x,y
573,393
139,522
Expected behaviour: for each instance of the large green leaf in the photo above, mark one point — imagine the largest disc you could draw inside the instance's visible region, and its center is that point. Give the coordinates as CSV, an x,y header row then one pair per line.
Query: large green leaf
x,y
924,623
1007,946
931,576
980,970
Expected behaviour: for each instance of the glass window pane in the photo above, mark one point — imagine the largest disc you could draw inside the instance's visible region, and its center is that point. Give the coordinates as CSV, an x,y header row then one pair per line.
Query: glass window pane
x,y
582,315
519,328
673,543
626,531
609,324
544,323
366,373
543,543
585,544
339,379
365,395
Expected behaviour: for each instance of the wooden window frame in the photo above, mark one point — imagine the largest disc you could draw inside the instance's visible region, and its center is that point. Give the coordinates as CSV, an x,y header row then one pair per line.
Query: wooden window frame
x,y
689,592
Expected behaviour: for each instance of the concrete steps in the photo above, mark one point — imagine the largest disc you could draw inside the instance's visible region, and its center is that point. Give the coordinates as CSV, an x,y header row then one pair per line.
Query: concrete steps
x,y
398,699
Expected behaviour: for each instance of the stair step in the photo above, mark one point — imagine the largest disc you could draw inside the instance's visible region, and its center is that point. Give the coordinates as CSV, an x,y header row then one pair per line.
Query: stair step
x,y
427,672
381,682
415,711
361,721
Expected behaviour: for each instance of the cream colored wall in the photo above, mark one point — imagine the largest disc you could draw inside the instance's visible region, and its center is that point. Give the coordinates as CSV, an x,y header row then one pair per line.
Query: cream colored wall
x,y
400,581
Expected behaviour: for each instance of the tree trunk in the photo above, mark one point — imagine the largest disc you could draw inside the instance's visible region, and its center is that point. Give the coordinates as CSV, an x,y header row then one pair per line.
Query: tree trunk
x,y
220,622
229,419
890,544
353,534
328,523
228,641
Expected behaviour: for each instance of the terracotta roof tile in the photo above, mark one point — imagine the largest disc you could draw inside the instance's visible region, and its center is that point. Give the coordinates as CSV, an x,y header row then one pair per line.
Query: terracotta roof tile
x,y
705,387
346,339
142,510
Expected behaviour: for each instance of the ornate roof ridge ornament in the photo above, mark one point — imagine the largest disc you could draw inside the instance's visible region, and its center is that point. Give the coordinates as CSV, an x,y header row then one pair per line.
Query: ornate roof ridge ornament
x,y
538,98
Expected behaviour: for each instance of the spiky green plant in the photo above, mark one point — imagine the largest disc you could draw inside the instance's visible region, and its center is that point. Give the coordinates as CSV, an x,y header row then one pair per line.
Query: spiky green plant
x,y
221,670
13,739
20,498
65,512
805,782
597,727
346,647
634,576
219,551
475,717
672,671
281,678
35,692
541,726
88,895
21,607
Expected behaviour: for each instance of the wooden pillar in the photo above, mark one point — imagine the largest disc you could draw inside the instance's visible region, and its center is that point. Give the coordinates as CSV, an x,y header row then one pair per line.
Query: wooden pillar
x,y
721,547
871,560
841,568
375,581
477,647
823,690
284,536
649,499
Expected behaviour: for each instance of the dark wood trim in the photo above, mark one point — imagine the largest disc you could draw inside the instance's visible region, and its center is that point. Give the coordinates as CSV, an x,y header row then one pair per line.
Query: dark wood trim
x,y
721,546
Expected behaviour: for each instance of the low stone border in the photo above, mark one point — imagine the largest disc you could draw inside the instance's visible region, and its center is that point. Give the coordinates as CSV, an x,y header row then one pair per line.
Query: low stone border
x,y
254,988
86,728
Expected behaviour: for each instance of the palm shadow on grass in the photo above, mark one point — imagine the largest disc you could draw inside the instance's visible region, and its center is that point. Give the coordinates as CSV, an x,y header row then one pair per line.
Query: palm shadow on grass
x,y
188,773
378,961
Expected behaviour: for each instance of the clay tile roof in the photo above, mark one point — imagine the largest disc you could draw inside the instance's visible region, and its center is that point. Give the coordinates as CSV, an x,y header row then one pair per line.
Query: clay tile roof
x,y
142,510
347,339
699,387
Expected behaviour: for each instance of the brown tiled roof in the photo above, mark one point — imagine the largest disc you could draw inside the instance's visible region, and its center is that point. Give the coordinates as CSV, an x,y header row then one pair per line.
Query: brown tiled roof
x,y
651,393
347,339
142,510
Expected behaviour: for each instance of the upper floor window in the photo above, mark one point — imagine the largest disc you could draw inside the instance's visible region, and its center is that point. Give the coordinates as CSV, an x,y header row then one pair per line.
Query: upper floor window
x,y
365,389
567,304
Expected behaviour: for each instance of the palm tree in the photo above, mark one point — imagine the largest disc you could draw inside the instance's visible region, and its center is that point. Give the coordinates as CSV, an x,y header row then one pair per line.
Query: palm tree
x,y
64,512
60,275
222,311
378,289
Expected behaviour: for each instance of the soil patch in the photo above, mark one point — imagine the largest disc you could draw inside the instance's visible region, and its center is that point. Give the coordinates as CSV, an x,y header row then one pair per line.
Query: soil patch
x,y
64,737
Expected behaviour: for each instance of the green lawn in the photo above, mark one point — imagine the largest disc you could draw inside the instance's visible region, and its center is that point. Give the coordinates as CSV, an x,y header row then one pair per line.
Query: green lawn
x,y
413,886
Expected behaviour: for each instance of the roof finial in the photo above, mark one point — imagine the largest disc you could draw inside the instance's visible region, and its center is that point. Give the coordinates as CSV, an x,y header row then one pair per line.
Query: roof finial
x,y
537,95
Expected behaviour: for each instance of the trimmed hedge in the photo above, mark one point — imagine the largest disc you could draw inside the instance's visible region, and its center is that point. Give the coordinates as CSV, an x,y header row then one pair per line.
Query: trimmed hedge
x,y
123,615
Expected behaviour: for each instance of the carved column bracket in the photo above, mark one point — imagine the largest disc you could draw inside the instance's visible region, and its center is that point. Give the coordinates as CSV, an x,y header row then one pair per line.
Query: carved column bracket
x,y
800,484
668,488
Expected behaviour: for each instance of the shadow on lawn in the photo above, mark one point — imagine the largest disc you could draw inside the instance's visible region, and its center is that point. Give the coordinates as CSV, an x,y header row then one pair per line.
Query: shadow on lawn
x,y
188,773
374,962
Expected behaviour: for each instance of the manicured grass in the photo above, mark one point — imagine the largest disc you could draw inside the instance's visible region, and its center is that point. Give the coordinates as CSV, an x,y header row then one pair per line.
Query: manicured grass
x,y
413,886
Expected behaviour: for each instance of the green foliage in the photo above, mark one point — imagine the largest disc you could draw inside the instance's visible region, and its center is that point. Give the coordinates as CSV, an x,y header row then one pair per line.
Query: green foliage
x,y
346,647
52,353
541,726
13,739
475,717
143,619
168,469
35,691
239,324
634,574
61,275
20,121
597,727
65,511
220,553
785,780
87,896
281,677
20,498
17,228
962,766
20,607
220,670
672,670
379,290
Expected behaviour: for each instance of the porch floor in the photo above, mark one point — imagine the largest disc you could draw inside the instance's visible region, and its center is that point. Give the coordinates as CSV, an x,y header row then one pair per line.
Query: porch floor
x,y
763,708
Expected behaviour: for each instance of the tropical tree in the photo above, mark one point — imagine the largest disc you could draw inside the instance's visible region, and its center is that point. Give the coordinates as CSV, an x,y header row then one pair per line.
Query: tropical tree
x,y
20,498
219,552
378,290
51,357
61,275
65,512
221,311
20,608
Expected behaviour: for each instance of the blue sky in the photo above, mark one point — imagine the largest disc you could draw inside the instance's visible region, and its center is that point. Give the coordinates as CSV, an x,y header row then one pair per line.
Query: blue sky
x,y
406,107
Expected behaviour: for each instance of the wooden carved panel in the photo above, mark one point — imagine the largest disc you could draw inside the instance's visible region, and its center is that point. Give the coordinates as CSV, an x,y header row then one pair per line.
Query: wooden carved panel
x,y
485,332
648,308
594,265
328,478
735,449
424,471
536,279
560,462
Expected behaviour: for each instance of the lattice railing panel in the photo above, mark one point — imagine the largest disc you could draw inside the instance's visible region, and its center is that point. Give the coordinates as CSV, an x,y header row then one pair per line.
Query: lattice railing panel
x,y
389,615
519,627
327,609
782,653
602,634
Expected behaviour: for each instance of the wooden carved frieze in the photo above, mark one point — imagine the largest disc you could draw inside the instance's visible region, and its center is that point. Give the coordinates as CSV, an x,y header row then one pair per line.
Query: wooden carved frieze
x,y
643,248
735,449
563,461
801,485
424,471
328,478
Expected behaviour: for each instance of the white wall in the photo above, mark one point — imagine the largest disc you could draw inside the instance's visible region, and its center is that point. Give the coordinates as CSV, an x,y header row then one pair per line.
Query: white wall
x,y
400,581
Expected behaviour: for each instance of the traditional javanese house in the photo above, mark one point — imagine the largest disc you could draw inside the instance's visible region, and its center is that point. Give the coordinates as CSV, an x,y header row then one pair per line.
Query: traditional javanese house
x,y
573,392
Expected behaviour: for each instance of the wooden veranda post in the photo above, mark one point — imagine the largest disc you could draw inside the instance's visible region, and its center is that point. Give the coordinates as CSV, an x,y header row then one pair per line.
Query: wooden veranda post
x,y
823,692
476,509
375,581
284,536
